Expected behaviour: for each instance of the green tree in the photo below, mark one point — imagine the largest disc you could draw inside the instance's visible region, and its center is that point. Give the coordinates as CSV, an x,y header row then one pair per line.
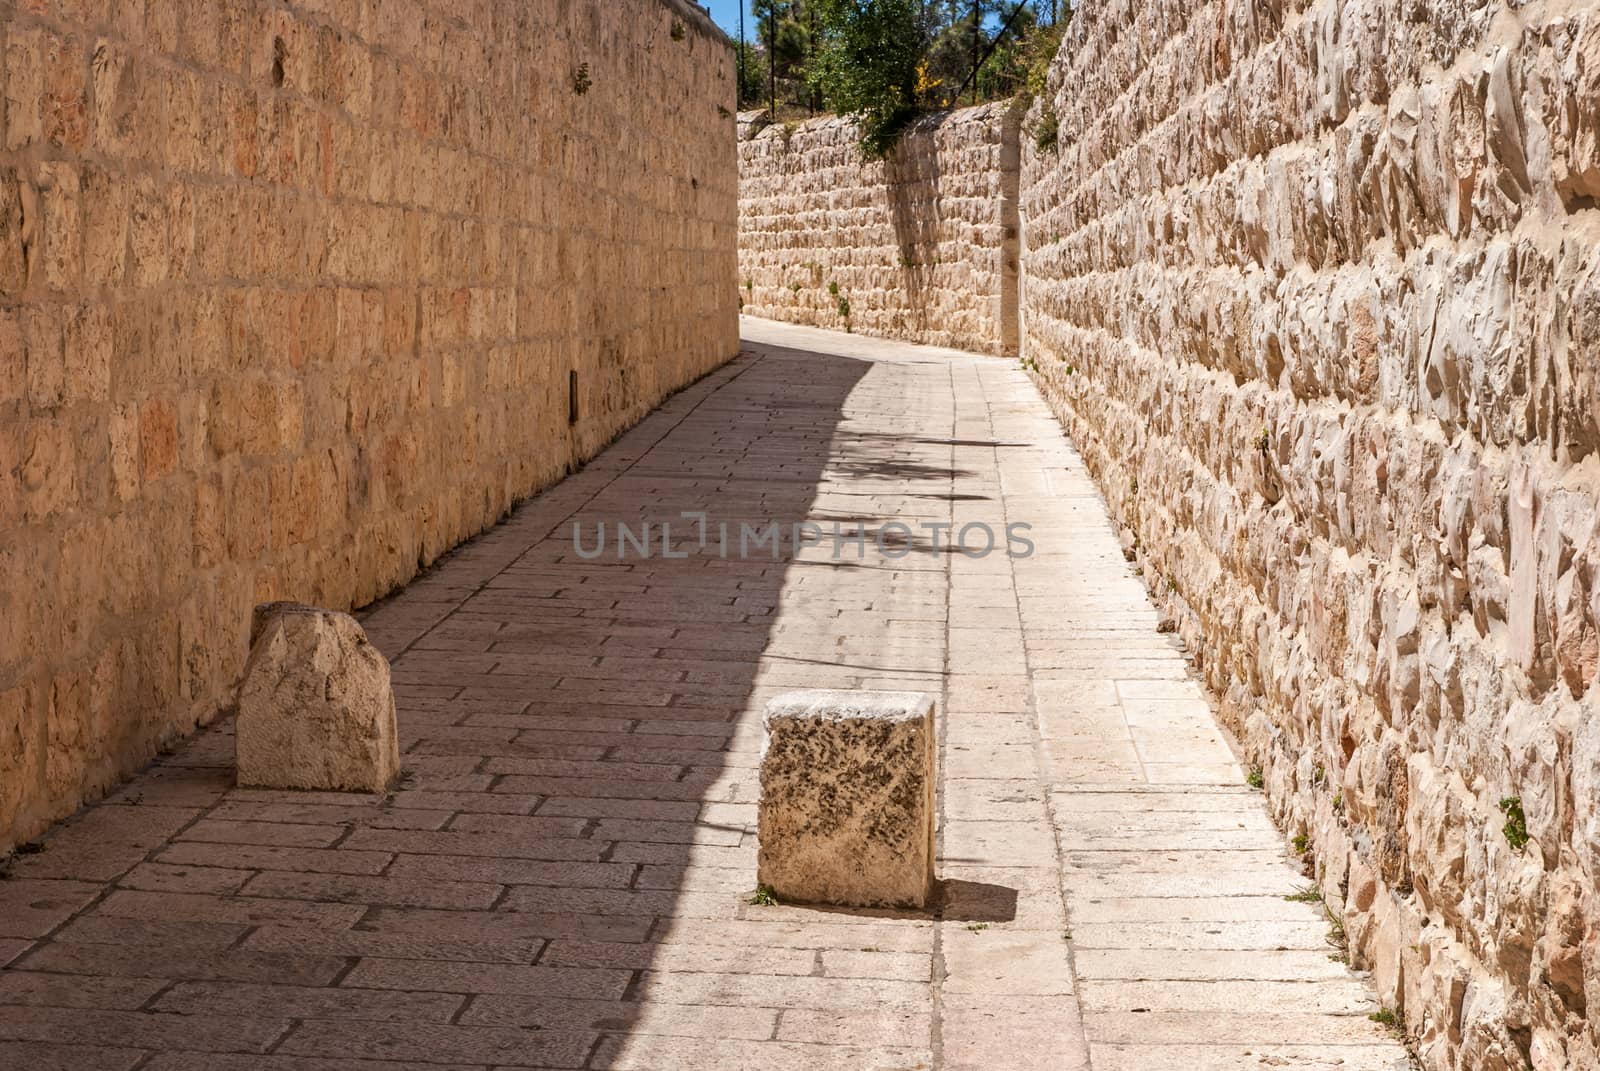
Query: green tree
x,y
952,41
786,34
752,73
866,65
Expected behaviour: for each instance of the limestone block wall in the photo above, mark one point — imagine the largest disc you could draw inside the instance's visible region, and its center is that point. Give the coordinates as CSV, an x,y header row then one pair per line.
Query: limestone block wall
x,y
1315,286
291,292
920,246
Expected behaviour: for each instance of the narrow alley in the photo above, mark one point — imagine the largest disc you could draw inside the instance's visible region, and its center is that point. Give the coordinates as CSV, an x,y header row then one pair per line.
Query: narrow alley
x,y
564,878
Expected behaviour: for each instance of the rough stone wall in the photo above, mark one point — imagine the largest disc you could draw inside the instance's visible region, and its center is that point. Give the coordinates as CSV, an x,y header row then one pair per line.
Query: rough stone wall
x,y
1316,288
290,292
919,246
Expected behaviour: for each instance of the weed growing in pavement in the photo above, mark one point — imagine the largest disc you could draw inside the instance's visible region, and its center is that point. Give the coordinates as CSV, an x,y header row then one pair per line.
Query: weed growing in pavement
x,y
1387,1017
1337,938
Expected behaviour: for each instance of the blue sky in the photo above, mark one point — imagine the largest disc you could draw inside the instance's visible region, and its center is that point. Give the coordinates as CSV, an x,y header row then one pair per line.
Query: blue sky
x,y
726,12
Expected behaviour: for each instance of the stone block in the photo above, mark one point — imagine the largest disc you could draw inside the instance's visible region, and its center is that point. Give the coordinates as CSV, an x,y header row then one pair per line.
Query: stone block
x,y
315,707
847,798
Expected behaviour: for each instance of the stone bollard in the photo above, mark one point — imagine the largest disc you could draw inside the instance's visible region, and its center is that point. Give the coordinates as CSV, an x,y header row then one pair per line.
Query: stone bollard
x,y
315,707
847,798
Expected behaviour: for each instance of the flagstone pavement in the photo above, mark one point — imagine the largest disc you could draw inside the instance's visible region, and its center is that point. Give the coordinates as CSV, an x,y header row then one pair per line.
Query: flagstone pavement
x,y
563,878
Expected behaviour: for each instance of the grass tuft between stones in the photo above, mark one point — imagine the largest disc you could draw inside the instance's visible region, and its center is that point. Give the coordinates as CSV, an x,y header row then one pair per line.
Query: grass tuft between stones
x,y
764,897
1389,1019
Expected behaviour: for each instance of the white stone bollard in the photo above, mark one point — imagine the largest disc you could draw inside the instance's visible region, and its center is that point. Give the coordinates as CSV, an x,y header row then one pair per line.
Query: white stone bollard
x,y
316,710
847,798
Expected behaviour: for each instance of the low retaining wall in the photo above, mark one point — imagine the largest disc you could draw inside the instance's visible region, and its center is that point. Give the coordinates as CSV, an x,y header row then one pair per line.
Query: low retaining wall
x,y
921,245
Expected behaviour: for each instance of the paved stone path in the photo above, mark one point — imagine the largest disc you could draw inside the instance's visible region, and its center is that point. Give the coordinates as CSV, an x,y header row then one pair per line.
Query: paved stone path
x,y
563,878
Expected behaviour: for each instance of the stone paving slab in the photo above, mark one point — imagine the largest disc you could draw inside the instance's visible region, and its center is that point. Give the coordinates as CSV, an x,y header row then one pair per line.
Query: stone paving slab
x,y
563,878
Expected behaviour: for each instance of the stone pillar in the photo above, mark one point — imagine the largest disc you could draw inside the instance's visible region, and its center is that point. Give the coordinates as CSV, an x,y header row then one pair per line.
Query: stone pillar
x,y
847,798
316,710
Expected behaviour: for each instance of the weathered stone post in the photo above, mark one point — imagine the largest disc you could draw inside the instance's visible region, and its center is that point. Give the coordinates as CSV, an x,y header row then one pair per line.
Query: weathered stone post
x,y
316,710
847,798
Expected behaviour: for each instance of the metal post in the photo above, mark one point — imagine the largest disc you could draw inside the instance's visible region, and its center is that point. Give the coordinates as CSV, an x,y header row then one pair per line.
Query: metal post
x,y
976,18
811,96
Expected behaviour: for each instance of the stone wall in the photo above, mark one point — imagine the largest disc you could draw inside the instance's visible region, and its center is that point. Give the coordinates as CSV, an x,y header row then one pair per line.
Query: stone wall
x,y
1315,286
919,246
290,296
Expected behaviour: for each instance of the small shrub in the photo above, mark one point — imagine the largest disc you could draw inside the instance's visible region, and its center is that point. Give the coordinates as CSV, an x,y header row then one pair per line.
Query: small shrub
x,y
1516,827
1264,441
1038,53
1301,843
764,897
1255,778
678,32
1390,1019
833,287
581,82
844,308
1047,131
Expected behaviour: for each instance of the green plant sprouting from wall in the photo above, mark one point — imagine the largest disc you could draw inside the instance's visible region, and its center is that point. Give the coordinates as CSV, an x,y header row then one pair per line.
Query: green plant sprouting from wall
x,y
1516,827
1046,130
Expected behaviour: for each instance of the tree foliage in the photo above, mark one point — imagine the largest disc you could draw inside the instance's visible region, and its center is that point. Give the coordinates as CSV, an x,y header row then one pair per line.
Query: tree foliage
x,y
883,61
868,65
